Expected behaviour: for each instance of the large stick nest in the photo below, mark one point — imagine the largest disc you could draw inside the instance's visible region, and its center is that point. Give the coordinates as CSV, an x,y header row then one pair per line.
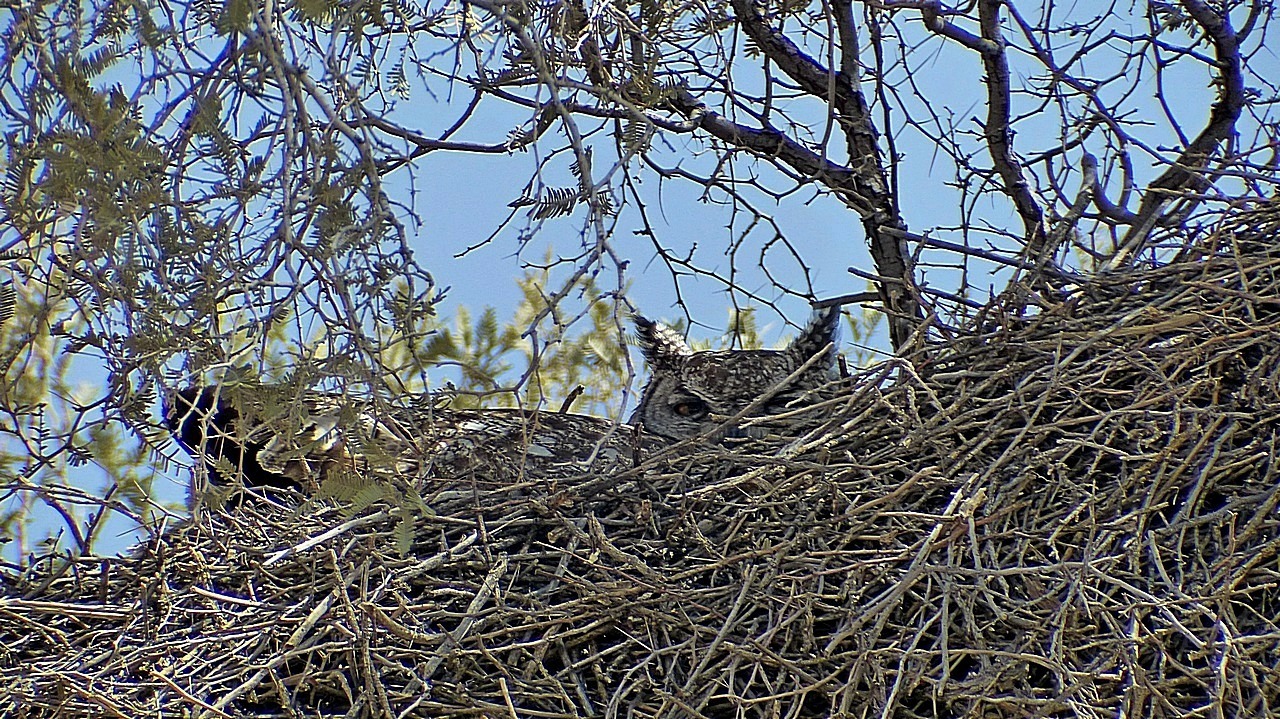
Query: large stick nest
x,y
1071,513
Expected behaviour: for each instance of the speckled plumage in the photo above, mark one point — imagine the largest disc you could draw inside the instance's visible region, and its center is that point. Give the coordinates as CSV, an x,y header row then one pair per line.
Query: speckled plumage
x,y
268,438
324,433
693,393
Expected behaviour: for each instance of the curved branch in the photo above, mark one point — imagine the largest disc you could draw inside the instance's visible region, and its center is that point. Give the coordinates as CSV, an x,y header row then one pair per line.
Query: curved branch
x,y
771,143
999,133
422,144
866,179
1186,172
837,88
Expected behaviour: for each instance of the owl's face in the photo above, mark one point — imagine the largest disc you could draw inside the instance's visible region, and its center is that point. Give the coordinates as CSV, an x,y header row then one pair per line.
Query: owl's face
x,y
691,393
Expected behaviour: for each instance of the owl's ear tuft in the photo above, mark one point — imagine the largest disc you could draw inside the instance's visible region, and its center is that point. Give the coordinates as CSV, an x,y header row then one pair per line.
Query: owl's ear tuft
x,y
661,345
819,334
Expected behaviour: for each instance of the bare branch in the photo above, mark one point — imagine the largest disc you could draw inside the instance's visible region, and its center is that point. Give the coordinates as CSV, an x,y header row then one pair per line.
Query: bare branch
x,y
1186,173
840,91
769,142
999,133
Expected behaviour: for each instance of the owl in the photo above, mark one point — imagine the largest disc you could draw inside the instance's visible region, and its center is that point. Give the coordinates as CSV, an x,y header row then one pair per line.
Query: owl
x,y
696,393
265,437
269,438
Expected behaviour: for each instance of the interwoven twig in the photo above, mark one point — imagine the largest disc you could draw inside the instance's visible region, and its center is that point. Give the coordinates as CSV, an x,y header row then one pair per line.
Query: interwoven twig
x,y
1066,513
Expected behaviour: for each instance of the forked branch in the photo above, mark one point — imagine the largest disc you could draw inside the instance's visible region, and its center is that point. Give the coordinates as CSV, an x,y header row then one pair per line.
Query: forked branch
x,y
1188,171
866,189
998,131
999,134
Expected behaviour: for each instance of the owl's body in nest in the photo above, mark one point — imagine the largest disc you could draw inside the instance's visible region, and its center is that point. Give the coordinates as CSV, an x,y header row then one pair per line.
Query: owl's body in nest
x,y
270,440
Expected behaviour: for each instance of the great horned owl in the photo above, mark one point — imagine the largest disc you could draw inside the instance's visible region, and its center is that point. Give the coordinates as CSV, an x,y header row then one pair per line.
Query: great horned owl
x,y
691,393
269,439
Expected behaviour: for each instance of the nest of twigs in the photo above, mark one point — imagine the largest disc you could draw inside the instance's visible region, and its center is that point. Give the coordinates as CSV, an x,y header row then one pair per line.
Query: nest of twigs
x,y
1067,513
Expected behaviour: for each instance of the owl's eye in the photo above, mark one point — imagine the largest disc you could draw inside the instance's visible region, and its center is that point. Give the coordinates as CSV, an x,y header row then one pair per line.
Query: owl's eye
x,y
691,408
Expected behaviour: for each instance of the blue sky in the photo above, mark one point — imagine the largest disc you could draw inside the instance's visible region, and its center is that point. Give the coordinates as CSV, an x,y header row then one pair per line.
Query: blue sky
x,y
462,199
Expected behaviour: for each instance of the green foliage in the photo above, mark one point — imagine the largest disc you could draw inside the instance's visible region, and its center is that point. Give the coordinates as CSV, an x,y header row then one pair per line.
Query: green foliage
x,y
56,439
357,493
235,17
150,229
532,359
315,10
203,204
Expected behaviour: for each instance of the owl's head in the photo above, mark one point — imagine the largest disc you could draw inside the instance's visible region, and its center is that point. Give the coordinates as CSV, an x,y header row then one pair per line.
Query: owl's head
x,y
690,393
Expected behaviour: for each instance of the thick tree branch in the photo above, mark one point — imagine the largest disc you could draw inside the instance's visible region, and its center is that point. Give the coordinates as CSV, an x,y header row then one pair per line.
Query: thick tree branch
x,y
841,94
931,13
1186,172
840,91
774,144
999,133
